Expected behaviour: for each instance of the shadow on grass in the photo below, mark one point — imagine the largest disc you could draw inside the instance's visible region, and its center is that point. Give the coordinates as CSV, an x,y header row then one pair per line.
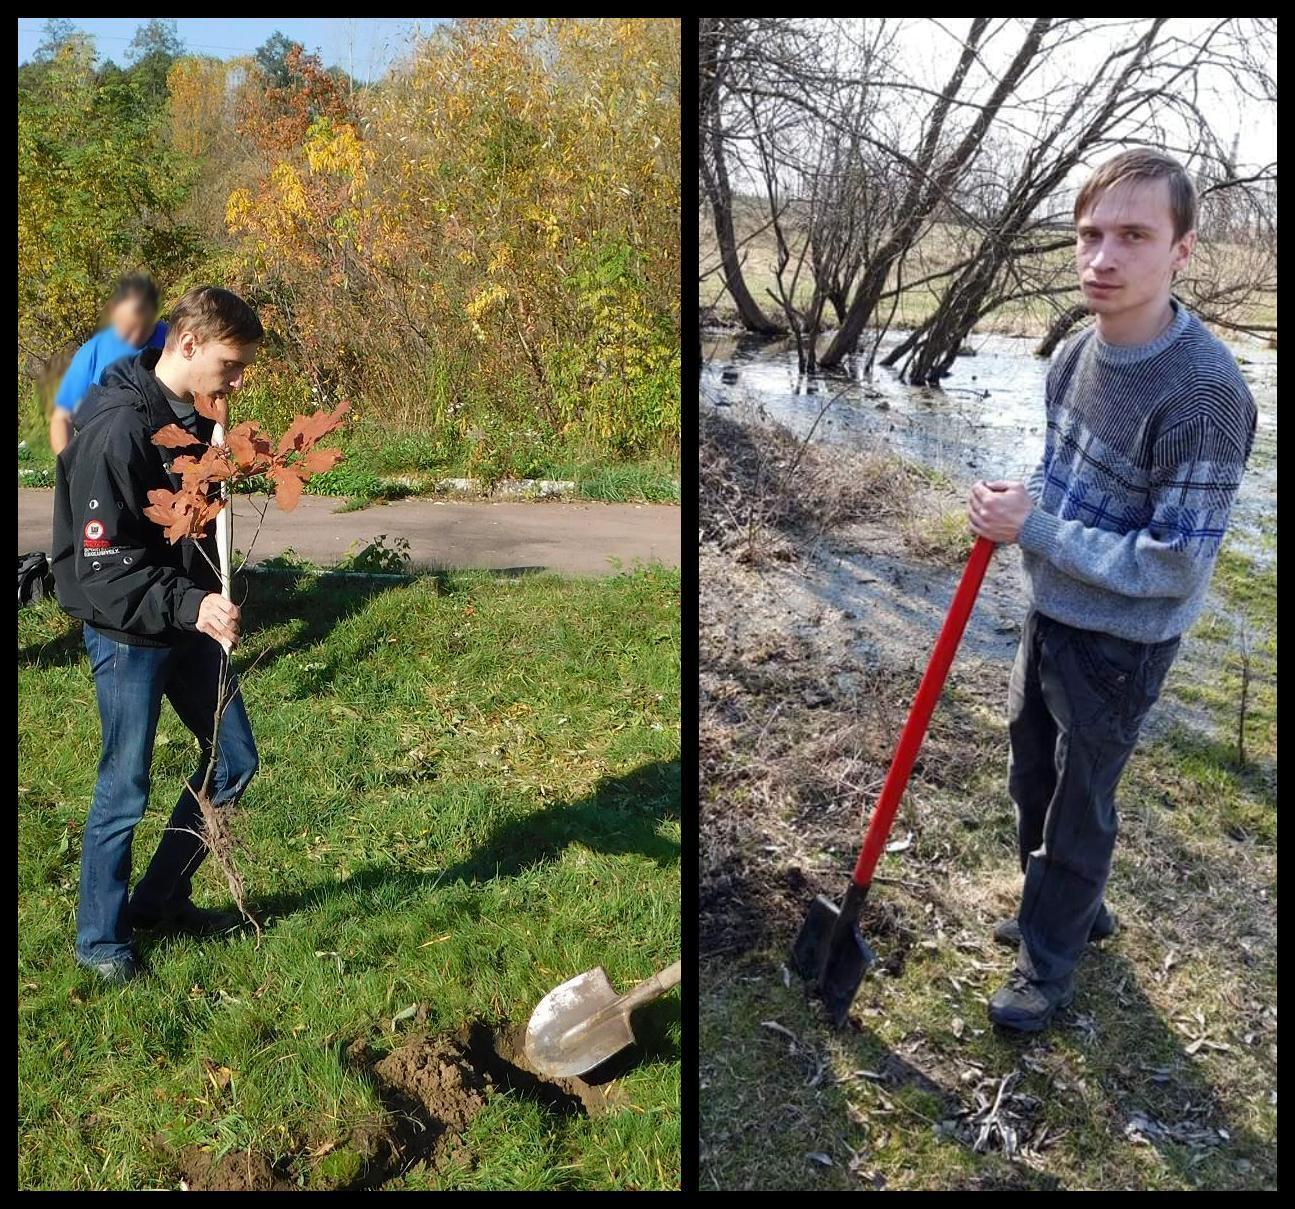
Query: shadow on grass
x,y
292,597
622,815
1158,1094
62,651
774,1131
1149,1077
295,596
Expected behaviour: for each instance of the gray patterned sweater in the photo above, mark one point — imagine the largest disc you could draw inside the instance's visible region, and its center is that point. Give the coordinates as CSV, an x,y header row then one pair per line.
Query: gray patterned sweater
x,y
1144,453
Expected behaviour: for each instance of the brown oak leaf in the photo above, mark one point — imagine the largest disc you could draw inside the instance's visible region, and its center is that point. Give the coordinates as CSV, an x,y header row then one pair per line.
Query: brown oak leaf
x,y
306,430
182,513
173,510
287,486
174,437
317,461
213,409
250,447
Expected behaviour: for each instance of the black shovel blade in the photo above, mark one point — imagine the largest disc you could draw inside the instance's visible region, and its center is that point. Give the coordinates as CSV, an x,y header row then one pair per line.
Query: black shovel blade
x,y
830,953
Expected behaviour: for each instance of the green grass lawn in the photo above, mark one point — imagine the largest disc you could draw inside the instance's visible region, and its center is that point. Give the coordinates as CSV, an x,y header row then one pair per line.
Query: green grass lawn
x,y
469,792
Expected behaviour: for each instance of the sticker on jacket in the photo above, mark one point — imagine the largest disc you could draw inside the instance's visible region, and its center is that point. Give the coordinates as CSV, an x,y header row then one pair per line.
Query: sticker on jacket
x,y
95,540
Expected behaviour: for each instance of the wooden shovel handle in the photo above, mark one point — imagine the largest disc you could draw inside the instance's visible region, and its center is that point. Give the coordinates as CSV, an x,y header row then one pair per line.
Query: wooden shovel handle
x,y
652,988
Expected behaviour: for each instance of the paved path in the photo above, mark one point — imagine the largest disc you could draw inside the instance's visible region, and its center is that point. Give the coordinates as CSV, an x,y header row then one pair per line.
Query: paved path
x,y
573,538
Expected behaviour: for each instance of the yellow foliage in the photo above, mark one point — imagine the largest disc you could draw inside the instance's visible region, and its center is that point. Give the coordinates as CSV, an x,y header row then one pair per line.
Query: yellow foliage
x,y
500,257
506,202
196,103
339,152
292,194
238,211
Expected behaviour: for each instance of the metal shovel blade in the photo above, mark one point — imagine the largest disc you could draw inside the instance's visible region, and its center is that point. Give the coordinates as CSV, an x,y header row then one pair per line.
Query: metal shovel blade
x,y
831,954
583,1022
572,1029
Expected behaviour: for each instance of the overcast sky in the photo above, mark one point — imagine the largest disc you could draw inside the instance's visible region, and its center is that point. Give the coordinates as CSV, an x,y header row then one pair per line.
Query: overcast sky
x,y
931,54
925,52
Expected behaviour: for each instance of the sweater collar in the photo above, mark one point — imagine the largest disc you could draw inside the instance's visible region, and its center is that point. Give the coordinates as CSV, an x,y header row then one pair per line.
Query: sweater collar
x,y
1132,354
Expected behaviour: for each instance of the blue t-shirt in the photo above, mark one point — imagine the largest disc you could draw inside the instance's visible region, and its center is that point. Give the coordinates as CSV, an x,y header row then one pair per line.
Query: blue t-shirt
x,y
92,358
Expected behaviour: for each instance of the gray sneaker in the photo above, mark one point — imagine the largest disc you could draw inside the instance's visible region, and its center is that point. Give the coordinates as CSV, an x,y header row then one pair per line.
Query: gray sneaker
x,y
1028,1007
1008,931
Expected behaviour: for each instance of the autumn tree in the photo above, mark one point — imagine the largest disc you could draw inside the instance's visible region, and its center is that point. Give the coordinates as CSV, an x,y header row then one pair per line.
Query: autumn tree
x,y
155,46
500,218
95,197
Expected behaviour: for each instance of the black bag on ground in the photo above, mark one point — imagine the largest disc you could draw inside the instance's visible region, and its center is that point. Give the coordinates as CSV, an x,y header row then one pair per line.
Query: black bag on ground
x,y
35,579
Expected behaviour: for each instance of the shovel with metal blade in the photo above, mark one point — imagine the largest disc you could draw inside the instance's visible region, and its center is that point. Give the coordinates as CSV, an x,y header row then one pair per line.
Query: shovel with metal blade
x,y
830,951
582,1023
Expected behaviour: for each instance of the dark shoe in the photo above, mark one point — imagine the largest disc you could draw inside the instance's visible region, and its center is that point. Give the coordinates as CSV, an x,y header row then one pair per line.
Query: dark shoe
x,y
1008,931
191,920
1028,1007
116,972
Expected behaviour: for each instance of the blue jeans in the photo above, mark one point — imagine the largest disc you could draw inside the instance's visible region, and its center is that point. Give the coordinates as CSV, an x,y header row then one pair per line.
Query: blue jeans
x,y
130,682
1077,702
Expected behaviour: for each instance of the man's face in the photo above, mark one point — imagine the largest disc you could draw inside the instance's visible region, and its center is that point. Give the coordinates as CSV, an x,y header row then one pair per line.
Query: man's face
x,y
1126,251
215,366
133,320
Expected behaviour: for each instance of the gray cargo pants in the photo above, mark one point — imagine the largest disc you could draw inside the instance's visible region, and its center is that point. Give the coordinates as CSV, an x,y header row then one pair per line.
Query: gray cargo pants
x,y
1076,704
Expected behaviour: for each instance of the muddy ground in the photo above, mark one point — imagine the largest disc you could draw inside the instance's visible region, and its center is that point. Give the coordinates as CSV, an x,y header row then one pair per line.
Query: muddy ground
x,y
824,577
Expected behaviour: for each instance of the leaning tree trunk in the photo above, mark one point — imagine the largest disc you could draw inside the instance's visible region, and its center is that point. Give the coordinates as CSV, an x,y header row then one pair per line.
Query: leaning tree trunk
x,y
865,302
720,194
752,317
952,323
902,349
1060,328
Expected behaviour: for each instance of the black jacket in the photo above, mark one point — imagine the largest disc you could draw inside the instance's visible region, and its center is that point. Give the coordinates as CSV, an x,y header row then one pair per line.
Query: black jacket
x,y
113,567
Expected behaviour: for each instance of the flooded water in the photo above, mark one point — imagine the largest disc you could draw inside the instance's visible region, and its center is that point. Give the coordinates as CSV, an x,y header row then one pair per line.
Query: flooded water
x,y
986,423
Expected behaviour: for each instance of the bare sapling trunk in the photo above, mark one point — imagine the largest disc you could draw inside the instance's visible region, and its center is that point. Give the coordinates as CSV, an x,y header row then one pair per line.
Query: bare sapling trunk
x,y
205,496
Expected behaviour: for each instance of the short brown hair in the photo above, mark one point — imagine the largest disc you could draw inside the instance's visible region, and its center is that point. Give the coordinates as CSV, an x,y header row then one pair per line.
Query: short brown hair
x,y
1145,164
212,313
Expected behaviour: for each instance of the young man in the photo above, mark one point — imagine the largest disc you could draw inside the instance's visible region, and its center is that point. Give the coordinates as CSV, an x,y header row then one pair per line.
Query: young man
x,y
1149,427
132,326
154,620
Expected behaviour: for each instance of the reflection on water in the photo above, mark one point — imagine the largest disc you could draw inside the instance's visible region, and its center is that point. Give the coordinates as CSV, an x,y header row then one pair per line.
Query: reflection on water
x,y
986,423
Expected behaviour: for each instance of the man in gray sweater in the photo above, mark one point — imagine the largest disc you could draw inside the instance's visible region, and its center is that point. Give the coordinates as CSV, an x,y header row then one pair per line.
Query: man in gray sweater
x,y
1149,427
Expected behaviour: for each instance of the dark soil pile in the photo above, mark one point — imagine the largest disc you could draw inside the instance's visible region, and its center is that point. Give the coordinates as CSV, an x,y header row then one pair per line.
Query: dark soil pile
x,y
243,1171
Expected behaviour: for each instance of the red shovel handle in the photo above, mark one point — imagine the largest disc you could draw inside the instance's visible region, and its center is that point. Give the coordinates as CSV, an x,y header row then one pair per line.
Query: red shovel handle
x,y
910,741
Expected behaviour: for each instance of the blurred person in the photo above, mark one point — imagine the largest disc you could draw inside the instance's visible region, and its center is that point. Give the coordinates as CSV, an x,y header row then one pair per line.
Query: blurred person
x,y
132,326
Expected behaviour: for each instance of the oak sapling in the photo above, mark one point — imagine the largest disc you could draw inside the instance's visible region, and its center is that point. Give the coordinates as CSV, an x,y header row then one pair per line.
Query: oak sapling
x,y
246,453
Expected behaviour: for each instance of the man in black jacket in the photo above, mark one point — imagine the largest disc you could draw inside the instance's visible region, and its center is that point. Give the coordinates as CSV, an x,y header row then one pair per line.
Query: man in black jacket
x,y
154,621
